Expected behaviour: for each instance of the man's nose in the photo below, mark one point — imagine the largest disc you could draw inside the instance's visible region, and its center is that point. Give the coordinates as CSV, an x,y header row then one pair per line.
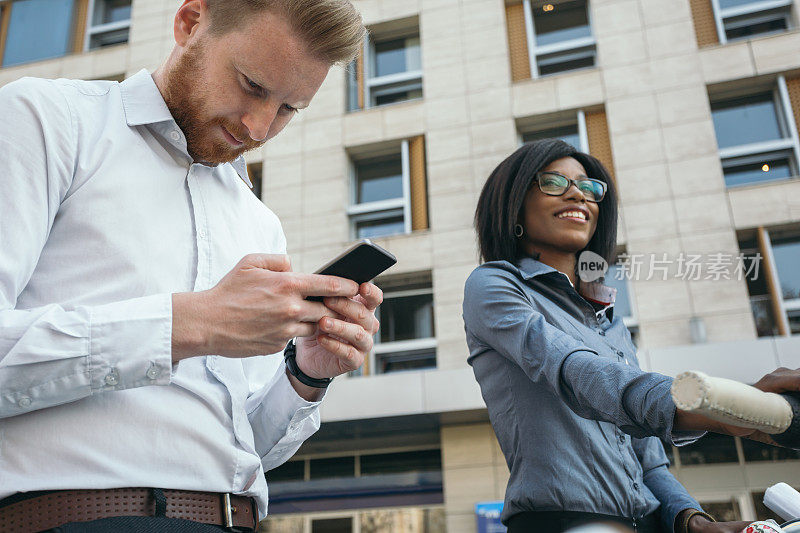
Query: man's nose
x,y
259,119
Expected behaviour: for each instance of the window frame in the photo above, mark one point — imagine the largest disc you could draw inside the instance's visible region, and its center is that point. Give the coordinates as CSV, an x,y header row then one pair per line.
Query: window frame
x,y
92,29
307,458
781,308
381,209
375,86
758,10
631,321
788,146
380,349
580,122
586,44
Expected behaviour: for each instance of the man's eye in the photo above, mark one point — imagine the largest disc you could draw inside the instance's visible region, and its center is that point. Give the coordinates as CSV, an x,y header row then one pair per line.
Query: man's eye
x,y
253,85
289,108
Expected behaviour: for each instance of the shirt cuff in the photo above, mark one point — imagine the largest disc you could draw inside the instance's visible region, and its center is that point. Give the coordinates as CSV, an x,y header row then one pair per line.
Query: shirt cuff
x,y
130,343
294,402
678,437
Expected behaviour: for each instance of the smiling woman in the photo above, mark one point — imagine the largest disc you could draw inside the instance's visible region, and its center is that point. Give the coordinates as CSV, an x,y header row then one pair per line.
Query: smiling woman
x,y
577,420
503,204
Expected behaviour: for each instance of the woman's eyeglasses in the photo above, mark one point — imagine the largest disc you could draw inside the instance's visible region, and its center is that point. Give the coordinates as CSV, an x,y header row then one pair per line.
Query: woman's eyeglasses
x,y
555,184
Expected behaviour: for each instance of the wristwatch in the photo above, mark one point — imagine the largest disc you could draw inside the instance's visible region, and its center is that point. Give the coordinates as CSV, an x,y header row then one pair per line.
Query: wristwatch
x,y
290,357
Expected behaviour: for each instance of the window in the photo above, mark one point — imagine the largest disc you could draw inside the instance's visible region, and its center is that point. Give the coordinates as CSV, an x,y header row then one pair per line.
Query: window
x,y
623,304
757,136
775,313
255,172
110,23
388,70
288,471
60,26
369,464
332,467
756,451
723,511
388,193
555,36
741,19
51,21
760,301
380,199
370,479
712,448
406,340
400,462
332,525
570,129
586,130
786,252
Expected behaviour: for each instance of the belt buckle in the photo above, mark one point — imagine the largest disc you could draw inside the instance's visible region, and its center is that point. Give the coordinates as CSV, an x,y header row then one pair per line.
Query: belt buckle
x,y
227,511
227,516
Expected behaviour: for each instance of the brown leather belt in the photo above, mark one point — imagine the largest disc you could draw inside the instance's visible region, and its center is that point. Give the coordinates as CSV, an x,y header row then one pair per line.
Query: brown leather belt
x,y
56,508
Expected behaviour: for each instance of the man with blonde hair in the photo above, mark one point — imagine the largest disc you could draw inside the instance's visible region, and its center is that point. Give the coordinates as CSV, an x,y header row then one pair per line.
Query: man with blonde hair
x,y
142,284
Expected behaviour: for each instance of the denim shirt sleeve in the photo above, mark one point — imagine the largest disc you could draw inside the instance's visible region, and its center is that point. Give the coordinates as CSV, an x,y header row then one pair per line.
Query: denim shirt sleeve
x,y
673,496
499,315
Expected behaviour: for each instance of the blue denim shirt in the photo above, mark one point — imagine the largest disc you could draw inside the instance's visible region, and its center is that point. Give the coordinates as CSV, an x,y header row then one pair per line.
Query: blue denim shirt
x,y
577,419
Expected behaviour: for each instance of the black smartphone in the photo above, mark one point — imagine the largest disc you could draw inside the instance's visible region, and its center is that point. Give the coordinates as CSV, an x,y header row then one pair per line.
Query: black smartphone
x,y
361,262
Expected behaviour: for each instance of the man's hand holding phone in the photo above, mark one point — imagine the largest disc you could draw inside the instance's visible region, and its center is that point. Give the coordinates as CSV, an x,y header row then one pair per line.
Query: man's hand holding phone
x,y
261,304
254,309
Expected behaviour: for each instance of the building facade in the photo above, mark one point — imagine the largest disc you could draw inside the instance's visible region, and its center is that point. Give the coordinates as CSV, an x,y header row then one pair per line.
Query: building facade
x,y
693,104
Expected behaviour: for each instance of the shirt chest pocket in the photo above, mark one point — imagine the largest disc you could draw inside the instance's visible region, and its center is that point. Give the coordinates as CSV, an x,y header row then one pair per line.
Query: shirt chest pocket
x,y
592,340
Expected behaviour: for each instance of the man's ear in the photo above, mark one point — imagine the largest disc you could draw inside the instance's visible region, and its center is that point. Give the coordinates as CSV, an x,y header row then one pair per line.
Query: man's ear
x,y
188,20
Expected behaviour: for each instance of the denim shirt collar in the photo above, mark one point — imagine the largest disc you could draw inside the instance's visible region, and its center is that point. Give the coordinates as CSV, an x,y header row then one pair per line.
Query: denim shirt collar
x,y
145,106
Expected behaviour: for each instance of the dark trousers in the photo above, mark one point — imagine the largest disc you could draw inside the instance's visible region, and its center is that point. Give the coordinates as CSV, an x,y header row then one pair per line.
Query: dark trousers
x,y
558,521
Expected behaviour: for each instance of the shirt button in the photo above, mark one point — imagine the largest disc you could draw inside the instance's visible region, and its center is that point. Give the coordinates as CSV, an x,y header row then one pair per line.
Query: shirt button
x,y
619,353
602,332
152,372
622,439
24,402
111,379
201,234
175,135
635,486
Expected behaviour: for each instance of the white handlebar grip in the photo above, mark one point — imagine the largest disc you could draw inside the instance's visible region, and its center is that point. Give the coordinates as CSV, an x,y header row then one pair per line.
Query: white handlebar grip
x,y
731,402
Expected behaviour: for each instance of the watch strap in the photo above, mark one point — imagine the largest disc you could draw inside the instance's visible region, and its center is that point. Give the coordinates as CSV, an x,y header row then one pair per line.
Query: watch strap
x,y
290,357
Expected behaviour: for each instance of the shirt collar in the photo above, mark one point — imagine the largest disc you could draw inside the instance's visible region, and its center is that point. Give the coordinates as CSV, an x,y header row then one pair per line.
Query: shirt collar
x,y
591,290
142,101
144,105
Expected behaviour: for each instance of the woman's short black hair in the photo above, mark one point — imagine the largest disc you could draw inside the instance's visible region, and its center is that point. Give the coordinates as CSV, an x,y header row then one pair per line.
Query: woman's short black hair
x,y
501,201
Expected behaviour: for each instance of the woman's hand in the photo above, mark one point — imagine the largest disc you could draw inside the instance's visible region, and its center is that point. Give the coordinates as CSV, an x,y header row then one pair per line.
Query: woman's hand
x,y
701,524
780,380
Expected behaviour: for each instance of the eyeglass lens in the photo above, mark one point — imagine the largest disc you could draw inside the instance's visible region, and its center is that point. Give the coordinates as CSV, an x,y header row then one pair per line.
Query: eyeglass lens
x,y
556,185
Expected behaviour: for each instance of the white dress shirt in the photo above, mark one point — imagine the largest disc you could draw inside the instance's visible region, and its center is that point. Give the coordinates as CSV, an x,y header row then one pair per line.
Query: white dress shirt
x,y
103,216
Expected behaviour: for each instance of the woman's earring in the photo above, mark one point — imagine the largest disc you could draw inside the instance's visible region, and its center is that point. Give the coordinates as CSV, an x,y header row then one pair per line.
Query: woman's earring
x,y
518,230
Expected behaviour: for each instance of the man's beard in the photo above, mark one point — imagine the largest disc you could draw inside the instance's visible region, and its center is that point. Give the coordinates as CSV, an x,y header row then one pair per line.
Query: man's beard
x,y
187,98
